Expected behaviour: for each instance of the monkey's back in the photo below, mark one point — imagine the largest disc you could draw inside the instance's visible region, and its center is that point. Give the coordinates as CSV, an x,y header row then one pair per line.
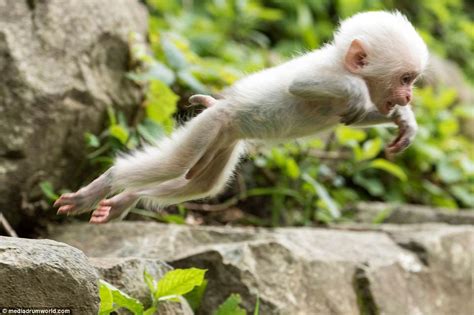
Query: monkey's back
x,y
263,107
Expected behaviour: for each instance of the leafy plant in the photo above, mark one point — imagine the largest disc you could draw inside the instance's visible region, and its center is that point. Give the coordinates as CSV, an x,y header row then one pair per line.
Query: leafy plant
x,y
171,287
176,285
231,306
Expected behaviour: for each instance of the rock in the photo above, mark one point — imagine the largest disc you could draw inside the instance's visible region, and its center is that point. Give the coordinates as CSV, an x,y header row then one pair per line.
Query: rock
x,y
127,275
367,212
46,274
413,269
62,64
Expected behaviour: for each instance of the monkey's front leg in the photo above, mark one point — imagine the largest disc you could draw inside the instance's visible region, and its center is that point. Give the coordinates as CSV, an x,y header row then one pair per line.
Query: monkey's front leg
x,y
350,91
403,117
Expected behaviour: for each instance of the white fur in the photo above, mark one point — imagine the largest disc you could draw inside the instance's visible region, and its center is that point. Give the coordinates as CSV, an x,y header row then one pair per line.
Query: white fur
x,y
260,106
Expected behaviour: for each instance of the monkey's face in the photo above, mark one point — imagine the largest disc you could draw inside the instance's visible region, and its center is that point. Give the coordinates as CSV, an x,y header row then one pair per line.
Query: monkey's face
x,y
391,91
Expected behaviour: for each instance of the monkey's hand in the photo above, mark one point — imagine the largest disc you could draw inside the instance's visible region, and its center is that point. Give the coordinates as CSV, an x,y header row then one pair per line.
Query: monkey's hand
x,y
404,118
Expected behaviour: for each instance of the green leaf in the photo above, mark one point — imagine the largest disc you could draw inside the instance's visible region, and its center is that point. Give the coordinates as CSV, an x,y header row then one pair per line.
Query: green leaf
x,y
349,136
91,140
150,131
373,185
257,306
106,299
173,218
48,190
464,194
119,299
188,79
174,56
231,306
150,282
151,311
194,297
292,169
382,215
389,167
119,133
323,195
160,104
263,191
179,282
447,172
371,148
156,71
111,115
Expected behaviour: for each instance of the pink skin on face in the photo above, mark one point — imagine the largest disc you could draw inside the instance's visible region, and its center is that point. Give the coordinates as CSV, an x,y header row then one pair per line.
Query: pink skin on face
x,y
401,96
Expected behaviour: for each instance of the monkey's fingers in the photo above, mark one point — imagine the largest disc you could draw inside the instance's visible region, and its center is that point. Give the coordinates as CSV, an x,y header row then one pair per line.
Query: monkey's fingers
x,y
65,209
401,142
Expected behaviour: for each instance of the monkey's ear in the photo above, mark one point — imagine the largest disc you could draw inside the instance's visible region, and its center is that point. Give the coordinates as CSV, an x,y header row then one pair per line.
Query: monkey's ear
x,y
356,57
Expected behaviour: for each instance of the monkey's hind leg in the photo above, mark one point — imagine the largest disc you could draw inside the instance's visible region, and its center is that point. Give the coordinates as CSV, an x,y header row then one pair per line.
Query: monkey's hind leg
x,y
86,198
174,156
170,159
209,181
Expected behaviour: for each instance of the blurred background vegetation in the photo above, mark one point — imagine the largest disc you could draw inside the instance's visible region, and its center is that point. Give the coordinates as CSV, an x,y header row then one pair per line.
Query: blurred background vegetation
x,y
203,46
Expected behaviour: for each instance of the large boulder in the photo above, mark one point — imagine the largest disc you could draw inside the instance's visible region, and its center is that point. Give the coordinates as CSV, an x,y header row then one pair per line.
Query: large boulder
x,y
62,64
369,212
46,274
388,269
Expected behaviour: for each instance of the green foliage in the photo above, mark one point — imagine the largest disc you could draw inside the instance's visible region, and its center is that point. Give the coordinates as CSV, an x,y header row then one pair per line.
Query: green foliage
x,y
48,190
178,282
112,299
194,297
156,111
176,285
171,287
231,306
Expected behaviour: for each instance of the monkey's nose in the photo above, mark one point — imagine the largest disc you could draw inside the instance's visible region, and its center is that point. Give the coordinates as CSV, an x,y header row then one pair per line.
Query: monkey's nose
x,y
403,100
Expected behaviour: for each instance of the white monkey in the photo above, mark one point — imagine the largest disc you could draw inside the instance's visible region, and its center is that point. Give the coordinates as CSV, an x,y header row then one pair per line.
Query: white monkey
x,y
363,77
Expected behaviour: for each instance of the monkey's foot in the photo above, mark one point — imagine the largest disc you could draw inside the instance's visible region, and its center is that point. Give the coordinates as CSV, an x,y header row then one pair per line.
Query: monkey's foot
x,y
112,208
85,199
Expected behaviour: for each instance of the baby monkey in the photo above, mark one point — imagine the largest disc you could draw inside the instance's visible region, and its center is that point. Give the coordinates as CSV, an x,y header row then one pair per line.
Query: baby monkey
x,y
363,77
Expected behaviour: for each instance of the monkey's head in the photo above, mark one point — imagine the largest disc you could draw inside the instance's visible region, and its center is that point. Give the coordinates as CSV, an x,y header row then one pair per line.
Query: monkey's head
x,y
386,51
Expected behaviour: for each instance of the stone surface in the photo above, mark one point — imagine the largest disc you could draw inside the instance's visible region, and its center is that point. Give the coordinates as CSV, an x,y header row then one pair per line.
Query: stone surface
x,y
386,269
367,212
127,275
61,63
46,274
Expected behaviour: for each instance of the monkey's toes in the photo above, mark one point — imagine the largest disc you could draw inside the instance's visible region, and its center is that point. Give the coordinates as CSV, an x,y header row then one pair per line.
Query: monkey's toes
x,y
106,203
100,215
65,209
64,199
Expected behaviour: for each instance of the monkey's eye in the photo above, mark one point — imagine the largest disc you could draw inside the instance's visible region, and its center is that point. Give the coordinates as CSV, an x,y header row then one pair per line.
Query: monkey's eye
x,y
406,79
